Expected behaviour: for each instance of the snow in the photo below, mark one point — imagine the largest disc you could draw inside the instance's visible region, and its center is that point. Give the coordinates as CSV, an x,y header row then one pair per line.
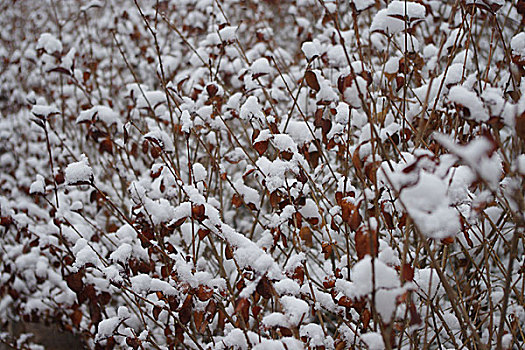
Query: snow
x,y
44,111
431,212
310,50
38,186
228,33
251,109
107,327
284,143
361,5
186,122
151,98
199,172
427,280
49,43
517,44
314,333
476,154
261,66
122,254
298,131
469,99
361,275
412,10
295,309
521,164
249,194
234,77
102,113
373,340
141,284
79,172
160,138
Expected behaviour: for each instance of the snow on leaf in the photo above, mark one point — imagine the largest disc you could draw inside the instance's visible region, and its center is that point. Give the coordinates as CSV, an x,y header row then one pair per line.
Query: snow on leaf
x,y
49,43
79,173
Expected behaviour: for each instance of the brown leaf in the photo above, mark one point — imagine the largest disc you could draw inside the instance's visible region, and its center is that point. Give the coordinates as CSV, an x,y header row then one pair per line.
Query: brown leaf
x,y
236,200
60,70
228,252
275,198
106,145
212,90
306,235
74,282
242,308
185,310
211,309
407,272
447,240
261,146
355,220
365,318
363,244
76,317
311,80
203,233
329,282
198,212
298,274
265,288
204,293
200,322
221,320
156,312
414,315
327,249
94,312
256,310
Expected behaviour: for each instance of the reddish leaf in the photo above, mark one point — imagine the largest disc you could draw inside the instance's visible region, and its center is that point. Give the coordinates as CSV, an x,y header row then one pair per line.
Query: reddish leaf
x,y
261,146
236,200
327,249
228,252
407,272
204,293
365,243
106,145
203,233
76,317
74,282
200,322
185,310
242,308
306,235
365,318
198,212
311,80
156,312
265,288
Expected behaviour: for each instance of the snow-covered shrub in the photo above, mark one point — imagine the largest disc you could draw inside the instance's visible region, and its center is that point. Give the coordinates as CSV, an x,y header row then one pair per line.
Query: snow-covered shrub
x,y
225,174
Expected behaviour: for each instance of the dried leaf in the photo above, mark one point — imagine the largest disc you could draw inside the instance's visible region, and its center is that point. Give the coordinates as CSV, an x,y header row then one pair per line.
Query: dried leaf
x,y
306,235
265,288
311,80
185,310
204,293
365,243
407,272
76,317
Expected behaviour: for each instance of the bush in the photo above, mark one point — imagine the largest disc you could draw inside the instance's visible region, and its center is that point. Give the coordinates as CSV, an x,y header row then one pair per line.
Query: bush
x,y
264,174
